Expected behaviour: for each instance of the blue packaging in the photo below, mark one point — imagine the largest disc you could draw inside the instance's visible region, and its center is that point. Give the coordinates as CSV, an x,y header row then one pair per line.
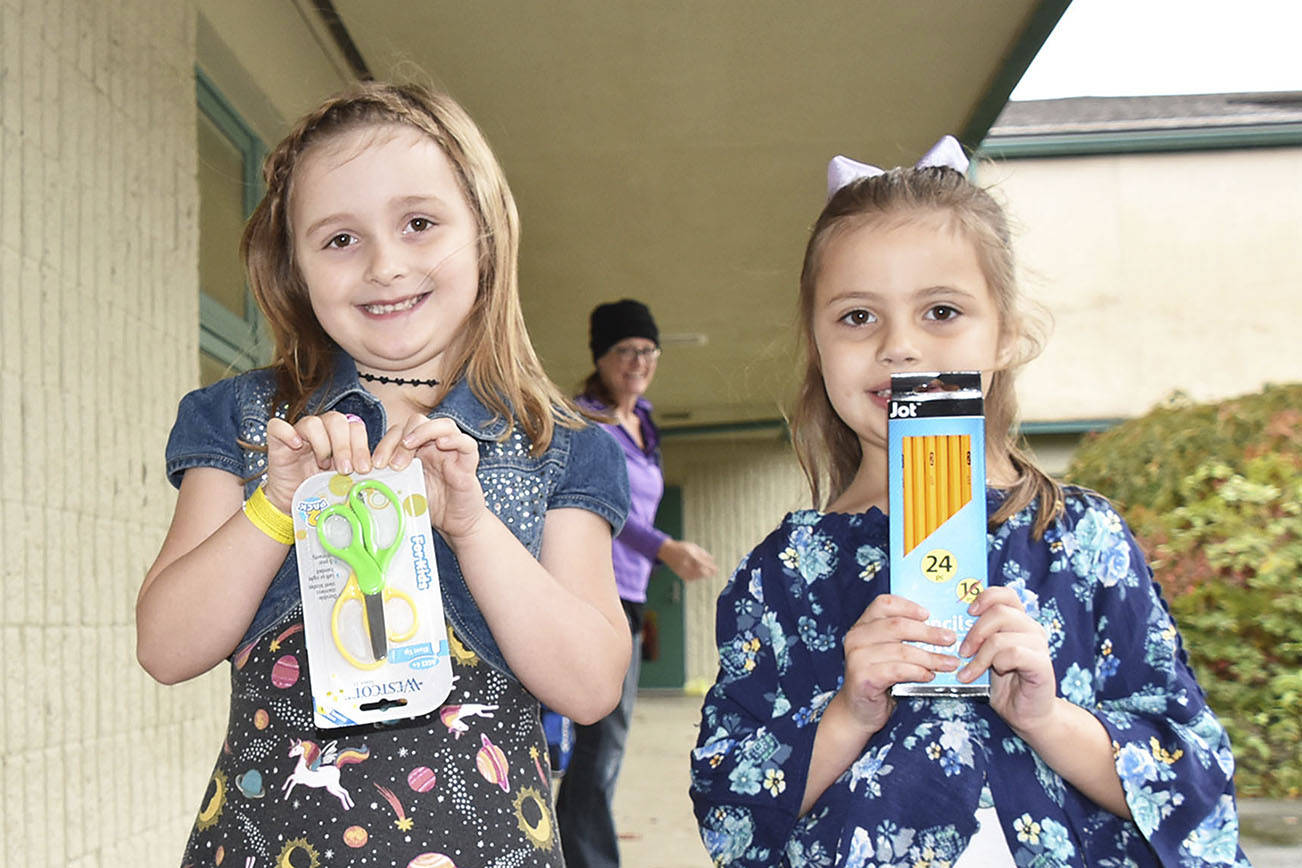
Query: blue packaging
x,y
936,454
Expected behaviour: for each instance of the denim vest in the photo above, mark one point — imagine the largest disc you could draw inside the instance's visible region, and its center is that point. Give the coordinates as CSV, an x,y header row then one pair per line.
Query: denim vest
x,y
580,469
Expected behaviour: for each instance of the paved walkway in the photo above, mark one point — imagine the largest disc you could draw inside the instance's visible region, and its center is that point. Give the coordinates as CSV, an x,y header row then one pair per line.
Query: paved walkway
x,y
653,814
658,830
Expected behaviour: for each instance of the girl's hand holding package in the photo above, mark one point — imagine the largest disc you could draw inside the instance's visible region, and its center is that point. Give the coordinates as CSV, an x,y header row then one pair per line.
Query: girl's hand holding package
x,y
1012,645
331,441
449,457
878,656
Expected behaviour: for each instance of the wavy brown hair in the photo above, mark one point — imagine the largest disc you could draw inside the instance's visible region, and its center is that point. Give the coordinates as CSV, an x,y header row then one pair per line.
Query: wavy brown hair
x,y
499,362
828,451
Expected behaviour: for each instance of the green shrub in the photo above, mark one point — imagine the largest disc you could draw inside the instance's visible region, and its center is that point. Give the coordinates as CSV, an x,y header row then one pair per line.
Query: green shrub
x,y
1214,494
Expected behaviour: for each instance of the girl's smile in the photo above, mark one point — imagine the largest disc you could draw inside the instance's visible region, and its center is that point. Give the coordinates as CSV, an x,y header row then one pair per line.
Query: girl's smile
x,y
894,297
383,309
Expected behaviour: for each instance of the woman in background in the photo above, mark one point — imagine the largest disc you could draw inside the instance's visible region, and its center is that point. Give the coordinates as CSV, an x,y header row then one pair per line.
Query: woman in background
x,y
625,347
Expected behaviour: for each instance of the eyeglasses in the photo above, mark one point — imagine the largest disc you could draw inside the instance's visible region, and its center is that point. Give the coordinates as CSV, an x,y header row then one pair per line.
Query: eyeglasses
x,y
628,354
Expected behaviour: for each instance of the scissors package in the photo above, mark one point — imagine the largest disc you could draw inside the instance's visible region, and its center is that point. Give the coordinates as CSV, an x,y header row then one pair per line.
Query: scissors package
x,y
377,646
936,453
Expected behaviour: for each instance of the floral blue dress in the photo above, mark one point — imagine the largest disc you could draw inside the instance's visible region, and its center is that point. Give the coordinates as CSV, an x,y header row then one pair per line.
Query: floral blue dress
x,y
911,797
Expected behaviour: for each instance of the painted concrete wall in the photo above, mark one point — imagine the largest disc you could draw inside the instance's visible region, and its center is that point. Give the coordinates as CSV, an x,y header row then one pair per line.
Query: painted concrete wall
x,y
99,765
98,264
734,493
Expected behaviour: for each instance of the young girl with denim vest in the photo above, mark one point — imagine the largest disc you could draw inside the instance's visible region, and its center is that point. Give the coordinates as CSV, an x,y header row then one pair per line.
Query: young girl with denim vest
x,y
383,256
1096,747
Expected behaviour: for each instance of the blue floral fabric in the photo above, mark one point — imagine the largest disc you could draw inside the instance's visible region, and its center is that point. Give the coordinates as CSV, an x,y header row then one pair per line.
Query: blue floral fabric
x,y
911,797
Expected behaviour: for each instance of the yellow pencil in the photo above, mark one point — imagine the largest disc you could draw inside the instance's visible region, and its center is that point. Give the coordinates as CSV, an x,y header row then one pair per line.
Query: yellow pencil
x,y
944,507
906,470
956,499
930,470
919,490
966,478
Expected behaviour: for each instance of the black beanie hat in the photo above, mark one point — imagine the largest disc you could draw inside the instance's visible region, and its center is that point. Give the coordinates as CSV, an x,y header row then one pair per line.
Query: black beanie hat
x,y
610,323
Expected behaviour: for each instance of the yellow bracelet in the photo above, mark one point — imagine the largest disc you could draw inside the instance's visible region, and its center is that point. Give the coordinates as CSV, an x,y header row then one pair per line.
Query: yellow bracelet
x,y
267,518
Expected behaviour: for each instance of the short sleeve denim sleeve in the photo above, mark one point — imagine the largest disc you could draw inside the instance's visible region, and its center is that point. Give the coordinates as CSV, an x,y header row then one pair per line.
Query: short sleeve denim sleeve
x,y
205,433
595,478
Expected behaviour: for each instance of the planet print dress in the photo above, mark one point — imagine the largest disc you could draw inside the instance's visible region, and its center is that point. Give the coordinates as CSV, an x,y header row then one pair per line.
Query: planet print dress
x,y
465,786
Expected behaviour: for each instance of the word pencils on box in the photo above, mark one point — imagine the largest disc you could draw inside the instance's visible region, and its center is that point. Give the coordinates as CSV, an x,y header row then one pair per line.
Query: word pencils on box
x,y
937,476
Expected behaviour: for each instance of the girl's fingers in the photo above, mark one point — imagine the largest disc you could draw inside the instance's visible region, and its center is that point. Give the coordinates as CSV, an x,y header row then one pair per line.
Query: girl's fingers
x,y
893,629
388,450
340,432
1003,653
338,441
1033,665
420,430
996,595
900,652
359,443
912,664
283,432
882,678
313,433
890,604
877,666
929,660
999,619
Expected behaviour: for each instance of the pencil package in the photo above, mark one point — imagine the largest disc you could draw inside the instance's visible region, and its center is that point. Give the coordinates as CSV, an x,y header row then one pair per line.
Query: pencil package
x,y
936,450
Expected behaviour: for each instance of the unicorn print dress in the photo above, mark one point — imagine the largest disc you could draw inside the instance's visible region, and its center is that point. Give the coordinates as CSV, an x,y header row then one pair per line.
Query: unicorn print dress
x,y
913,795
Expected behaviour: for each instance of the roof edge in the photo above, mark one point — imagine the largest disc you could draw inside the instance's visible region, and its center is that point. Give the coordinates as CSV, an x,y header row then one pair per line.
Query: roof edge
x,y
1038,27
1142,141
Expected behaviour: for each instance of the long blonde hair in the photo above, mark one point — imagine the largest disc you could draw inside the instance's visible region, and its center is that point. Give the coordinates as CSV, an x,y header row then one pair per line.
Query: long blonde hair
x,y
499,361
828,451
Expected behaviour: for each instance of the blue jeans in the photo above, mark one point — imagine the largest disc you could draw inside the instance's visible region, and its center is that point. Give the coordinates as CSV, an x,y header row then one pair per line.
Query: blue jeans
x,y
583,805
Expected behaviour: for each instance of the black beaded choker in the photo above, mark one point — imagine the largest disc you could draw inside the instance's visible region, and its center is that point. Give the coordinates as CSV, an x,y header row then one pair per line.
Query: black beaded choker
x,y
397,381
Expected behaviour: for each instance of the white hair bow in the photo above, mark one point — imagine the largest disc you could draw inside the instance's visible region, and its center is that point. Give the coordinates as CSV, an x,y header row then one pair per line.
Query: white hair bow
x,y
843,170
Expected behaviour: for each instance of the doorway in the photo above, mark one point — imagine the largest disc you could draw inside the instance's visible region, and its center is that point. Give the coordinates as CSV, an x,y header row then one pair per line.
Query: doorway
x,y
664,640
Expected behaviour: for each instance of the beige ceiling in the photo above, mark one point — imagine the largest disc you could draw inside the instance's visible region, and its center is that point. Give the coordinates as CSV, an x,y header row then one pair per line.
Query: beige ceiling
x,y
675,152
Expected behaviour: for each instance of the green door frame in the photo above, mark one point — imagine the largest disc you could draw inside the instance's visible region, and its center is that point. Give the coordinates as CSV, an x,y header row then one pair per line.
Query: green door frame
x,y
238,342
664,663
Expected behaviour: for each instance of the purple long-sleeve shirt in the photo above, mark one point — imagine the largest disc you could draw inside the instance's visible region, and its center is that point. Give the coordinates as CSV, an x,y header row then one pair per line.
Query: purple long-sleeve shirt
x,y
634,550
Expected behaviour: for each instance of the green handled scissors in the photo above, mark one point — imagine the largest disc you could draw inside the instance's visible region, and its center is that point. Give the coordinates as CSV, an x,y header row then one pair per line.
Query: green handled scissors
x,y
368,562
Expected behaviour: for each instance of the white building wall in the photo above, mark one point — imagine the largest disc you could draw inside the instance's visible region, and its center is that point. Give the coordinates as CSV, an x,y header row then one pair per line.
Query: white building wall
x,y
1163,271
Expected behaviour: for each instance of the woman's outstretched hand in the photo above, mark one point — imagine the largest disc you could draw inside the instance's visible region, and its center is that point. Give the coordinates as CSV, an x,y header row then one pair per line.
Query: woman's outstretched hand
x,y
687,559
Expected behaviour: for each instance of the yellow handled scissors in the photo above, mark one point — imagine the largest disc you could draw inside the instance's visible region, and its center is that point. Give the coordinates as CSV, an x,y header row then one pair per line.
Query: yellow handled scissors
x,y
368,562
